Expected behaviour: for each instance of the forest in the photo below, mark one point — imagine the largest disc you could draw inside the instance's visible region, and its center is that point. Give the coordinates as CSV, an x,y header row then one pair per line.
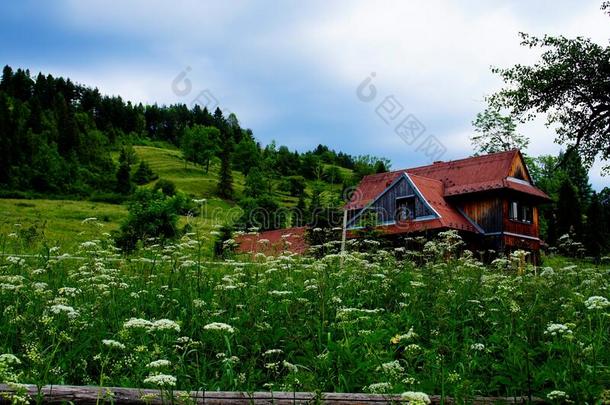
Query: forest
x,y
59,139
56,139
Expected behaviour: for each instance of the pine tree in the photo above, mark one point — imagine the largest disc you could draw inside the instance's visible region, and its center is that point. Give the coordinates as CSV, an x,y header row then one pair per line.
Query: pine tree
x,y
570,163
301,216
596,235
225,181
144,173
380,167
124,184
255,184
123,179
569,210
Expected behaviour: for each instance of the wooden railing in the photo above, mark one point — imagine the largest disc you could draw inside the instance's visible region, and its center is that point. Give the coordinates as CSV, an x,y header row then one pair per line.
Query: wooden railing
x,y
96,395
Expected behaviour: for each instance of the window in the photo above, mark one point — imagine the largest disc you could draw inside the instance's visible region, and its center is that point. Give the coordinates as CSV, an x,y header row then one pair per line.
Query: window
x,y
514,211
521,212
405,208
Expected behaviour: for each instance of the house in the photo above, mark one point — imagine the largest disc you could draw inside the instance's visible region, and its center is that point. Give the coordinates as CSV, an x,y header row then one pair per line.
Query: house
x,y
489,199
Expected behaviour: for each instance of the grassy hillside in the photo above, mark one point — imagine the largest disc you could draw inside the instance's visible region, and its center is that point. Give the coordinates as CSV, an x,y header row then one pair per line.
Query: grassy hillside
x,y
59,222
33,223
189,178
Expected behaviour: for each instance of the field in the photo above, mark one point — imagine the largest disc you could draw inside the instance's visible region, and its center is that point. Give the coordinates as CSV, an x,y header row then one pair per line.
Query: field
x,y
189,178
437,322
54,222
44,223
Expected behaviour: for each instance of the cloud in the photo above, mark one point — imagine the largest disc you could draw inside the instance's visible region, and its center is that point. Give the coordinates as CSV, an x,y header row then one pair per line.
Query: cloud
x,y
290,70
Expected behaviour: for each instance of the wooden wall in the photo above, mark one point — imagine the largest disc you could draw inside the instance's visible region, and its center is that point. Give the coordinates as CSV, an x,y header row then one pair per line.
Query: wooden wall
x,y
486,212
385,207
520,227
491,214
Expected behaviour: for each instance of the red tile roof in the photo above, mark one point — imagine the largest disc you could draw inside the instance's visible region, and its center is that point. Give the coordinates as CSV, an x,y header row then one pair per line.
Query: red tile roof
x,y
445,179
432,190
273,243
463,176
525,188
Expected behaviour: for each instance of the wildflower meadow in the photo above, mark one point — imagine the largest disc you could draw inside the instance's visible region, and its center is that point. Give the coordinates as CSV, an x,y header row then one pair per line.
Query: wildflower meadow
x,y
380,321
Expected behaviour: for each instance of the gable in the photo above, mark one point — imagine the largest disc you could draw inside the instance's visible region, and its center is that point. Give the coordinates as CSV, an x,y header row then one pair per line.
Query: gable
x,y
385,206
518,169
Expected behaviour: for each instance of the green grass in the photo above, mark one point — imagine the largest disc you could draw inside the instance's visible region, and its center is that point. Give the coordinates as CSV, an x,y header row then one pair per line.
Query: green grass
x,y
189,178
35,224
378,322
57,222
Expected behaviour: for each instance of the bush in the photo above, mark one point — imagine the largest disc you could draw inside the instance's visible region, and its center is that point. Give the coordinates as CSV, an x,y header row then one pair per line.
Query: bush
x,y
144,174
262,212
224,245
294,185
167,187
152,214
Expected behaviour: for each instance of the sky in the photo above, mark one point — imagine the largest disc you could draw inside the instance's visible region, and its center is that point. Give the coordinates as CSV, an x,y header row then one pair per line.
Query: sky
x,y
343,73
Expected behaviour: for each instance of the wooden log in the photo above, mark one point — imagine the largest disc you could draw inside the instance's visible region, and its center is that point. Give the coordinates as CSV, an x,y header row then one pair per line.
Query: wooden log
x,y
88,395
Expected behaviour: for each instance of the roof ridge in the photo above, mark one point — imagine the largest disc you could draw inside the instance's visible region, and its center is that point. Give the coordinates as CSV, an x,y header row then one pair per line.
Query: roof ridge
x,y
443,164
423,177
470,160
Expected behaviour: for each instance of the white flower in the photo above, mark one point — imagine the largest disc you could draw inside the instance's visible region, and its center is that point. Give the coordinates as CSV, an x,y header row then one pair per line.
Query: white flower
x,y
137,323
197,303
280,293
404,337
88,245
378,388
557,329
271,352
68,310
40,286
596,302
161,380
159,364
223,327
16,260
188,263
556,395
479,347
416,398
8,358
165,324
290,367
69,291
392,368
113,344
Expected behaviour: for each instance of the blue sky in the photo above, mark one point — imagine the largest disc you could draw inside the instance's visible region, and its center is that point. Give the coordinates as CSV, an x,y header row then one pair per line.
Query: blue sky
x,y
290,70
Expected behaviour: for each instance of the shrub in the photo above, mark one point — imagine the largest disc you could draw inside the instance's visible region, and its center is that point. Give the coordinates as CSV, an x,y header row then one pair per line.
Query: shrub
x,y
262,212
224,245
144,174
152,214
167,187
